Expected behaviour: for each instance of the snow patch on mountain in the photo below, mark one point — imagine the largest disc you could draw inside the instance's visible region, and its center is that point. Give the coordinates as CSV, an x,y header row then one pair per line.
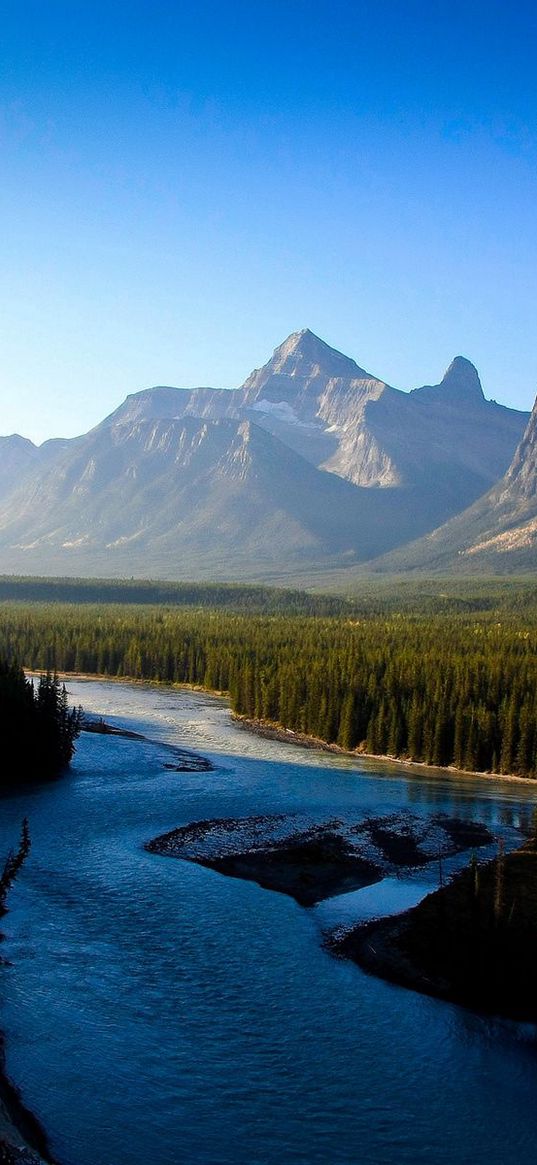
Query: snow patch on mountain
x,y
282,411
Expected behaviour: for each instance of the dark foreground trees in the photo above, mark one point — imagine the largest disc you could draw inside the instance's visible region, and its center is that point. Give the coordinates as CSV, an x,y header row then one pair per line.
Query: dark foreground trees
x,y
37,728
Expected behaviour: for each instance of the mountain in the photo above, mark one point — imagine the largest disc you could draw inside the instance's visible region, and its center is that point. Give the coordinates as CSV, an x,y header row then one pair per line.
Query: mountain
x,y
173,497
460,386
496,535
313,462
17,455
343,419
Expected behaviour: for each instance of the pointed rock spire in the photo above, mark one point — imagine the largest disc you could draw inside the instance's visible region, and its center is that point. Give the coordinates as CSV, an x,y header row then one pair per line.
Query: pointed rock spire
x,y
461,380
460,385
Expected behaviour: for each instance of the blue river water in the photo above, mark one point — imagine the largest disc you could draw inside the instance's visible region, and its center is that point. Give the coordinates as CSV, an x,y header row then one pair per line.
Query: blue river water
x,y
156,1011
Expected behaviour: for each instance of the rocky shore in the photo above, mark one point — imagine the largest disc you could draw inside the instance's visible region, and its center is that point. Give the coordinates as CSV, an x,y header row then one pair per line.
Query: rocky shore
x,y
312,861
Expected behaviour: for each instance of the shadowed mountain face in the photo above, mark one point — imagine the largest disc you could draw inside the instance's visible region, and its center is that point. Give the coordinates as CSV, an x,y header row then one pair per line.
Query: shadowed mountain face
x,y
498,534
171,496
312,463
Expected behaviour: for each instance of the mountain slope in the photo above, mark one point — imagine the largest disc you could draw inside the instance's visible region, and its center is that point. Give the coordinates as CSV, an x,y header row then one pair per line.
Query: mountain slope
x,y
498,534
170,496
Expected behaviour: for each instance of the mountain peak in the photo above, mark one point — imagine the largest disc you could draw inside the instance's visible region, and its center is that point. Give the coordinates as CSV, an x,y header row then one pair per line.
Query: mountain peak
x,y
305,354
302,358
460,385
462,379
15,441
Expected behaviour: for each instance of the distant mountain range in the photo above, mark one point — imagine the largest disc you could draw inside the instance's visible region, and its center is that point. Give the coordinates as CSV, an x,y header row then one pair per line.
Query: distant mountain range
x,y
312,464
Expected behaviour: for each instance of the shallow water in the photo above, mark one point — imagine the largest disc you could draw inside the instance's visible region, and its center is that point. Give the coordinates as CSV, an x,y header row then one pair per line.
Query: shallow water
x,y
156,1011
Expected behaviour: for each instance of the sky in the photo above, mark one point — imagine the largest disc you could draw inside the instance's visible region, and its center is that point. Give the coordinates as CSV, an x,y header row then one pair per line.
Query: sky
x,y
184,184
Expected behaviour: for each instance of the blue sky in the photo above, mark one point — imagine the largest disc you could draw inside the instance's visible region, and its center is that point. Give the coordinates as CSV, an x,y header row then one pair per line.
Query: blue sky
x,y
185,184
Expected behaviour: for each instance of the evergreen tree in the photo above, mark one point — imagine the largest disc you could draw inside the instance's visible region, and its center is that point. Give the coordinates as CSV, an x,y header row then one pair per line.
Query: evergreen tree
x,y
37,728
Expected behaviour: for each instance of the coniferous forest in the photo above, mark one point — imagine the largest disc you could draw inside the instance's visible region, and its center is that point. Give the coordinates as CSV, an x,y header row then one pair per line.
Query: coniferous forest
x,y
446,687
37,727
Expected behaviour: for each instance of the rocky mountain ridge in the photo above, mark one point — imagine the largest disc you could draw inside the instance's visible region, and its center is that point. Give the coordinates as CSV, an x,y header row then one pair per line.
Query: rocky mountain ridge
x,y
312,462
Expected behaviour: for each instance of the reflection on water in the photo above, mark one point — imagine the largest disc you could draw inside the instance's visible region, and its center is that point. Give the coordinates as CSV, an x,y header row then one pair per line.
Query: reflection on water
x,y
157,1011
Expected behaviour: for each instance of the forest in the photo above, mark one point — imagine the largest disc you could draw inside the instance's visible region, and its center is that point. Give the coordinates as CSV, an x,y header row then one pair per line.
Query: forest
x,y
369,595
252,598
37,728
455,687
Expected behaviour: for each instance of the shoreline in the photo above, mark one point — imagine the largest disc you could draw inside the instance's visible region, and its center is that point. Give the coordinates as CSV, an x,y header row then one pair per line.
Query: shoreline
x,y
187,760
23,1140
274,731
464,943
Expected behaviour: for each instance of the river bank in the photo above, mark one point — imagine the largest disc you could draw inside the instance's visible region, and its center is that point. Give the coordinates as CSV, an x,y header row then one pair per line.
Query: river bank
x,y
274,731
23,1140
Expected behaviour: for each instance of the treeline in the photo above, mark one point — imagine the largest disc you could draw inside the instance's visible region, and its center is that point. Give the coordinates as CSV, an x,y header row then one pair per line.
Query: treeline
x,y
253,599
37,727
373,595
447,690
370,596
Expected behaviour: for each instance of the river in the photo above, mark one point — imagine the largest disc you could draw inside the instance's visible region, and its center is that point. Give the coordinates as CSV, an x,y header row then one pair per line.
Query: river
x,y
156,1011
